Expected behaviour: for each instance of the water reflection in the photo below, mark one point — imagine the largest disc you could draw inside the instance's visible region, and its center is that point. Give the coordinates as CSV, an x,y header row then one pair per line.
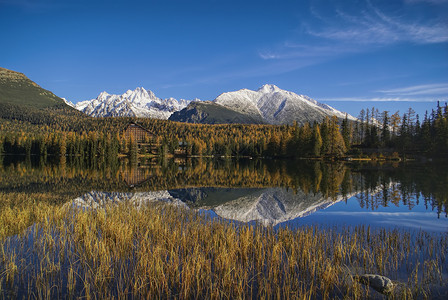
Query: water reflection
x,y
269,206
270,192
102,199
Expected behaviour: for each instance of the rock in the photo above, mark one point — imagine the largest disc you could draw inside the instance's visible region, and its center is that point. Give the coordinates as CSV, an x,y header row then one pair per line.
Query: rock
x,y
379,283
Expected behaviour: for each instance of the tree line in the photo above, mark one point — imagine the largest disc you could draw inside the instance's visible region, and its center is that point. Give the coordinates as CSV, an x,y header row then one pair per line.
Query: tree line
x,y
376,185
74,135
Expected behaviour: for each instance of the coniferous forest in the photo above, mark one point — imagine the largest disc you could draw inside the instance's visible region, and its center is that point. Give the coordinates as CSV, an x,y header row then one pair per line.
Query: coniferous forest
x,y
64,132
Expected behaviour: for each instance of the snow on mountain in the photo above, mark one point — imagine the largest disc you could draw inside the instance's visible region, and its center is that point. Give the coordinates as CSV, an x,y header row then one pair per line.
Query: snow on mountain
x,y
277,106
269,104
269,206
69,103
274,206
133,103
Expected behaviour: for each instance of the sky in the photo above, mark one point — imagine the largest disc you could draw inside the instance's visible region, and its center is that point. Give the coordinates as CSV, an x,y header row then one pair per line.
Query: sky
x,y
352,54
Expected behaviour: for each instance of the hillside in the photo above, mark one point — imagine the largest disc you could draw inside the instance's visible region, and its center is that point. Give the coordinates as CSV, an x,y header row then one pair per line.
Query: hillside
x,y
17,89
24,100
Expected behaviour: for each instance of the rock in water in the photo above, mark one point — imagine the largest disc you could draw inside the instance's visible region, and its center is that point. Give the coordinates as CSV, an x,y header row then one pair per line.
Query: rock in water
x,y
379,283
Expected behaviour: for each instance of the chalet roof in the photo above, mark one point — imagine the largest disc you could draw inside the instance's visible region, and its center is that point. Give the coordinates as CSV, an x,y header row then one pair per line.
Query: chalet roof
x,y
132,124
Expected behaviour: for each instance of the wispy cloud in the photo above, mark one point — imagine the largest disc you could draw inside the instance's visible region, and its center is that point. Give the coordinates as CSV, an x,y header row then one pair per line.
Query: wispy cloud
x,y
376,27
290,50
417,93
381,99
342,32
425,89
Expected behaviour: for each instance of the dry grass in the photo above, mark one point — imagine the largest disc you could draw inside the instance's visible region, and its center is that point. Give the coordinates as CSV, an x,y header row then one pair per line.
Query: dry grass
x,y
160,251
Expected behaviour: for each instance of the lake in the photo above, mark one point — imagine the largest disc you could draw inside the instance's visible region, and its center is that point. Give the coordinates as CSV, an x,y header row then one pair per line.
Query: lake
x,y
409,196
221,228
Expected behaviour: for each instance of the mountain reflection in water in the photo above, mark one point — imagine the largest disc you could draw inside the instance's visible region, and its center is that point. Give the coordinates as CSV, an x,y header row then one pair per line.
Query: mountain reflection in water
x,y
266,191
269,206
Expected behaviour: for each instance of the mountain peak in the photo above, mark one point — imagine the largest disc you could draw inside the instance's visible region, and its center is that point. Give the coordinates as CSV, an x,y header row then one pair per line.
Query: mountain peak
x,y
138,102
269,88
140,90
103,95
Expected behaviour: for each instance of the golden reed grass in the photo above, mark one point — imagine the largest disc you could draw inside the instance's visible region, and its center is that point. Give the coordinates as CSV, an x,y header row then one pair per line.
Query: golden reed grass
x,y
162,251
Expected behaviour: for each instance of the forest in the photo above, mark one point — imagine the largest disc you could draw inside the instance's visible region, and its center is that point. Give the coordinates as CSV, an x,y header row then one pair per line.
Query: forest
x,y
58,132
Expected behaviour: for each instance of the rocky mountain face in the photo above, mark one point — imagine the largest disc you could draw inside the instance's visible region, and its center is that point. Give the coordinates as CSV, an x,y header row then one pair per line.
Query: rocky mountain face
x,y
136,103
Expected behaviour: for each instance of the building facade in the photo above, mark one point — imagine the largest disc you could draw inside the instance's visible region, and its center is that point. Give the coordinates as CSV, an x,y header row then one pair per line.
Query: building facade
x,y
139,134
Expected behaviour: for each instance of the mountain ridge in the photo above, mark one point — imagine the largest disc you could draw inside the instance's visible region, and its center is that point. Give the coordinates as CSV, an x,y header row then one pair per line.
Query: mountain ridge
x,y
133,103
277,106
267,105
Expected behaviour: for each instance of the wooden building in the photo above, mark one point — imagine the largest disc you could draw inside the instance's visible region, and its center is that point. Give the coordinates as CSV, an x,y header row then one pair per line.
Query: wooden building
x,y
146,143
140,134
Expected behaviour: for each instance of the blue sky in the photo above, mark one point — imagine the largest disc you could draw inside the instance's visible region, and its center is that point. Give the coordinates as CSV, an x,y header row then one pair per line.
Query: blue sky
x,y
349,54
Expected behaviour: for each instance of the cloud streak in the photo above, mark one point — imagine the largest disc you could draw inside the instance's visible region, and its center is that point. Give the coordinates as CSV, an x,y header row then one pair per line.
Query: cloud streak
x,y
341,32
423,93
426,89
381,99
376,27
290,50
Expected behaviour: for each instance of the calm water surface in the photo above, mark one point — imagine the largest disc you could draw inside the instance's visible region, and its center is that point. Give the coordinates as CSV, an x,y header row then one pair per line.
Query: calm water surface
x,y
279,193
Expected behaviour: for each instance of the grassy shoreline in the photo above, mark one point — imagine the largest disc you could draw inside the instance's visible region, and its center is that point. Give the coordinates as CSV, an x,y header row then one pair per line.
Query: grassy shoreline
x,y
162,251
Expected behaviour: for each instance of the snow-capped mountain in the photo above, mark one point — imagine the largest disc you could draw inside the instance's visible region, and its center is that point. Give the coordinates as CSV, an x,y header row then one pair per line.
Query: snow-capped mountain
x,y
136,103
277,106
269,104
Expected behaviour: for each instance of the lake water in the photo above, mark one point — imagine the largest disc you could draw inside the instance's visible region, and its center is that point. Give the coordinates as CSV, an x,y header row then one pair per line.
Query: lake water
x,y
410,196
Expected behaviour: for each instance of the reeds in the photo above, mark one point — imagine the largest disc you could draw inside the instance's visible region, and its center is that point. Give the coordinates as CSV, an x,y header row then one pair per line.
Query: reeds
x,y
162,251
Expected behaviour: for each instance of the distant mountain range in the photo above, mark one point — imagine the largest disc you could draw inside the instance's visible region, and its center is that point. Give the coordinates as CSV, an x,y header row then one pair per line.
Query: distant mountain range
x,y
268,105
137,103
